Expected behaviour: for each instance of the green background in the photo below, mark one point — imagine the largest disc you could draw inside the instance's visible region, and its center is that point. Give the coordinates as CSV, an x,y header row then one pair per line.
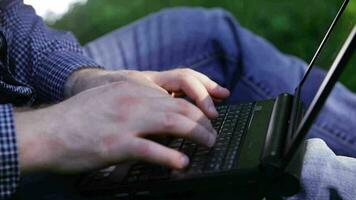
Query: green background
x,y
294,26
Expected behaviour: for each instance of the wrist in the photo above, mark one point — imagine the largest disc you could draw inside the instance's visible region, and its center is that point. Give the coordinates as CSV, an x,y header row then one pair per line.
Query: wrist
x,y
79,80
33,128
87,78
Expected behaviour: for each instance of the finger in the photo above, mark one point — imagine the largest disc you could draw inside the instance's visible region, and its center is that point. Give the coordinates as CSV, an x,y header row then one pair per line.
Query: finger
x,y
174,124
198,93
183,107
162,78
213,88
149,151
141,78
183,80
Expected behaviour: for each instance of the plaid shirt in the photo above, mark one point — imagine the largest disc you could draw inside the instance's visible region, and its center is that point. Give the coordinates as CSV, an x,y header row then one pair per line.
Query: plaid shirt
x,y
35,63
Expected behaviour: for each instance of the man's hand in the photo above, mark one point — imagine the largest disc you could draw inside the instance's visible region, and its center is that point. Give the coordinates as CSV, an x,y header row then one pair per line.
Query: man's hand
x,y
107,125
181,81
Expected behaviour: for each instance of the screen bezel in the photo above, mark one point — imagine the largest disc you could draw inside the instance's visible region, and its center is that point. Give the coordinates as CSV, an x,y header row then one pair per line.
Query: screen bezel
x,y
324,90
296,105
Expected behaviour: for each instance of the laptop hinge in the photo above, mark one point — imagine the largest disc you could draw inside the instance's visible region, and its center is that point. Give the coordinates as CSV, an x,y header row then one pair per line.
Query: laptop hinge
x,y
271,160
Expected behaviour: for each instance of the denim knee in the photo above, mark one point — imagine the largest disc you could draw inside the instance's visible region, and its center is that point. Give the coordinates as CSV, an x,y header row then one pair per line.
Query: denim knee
x,y
215,27
209,15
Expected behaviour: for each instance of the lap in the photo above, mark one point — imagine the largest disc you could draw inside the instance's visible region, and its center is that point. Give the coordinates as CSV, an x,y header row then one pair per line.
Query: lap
x,y
209,41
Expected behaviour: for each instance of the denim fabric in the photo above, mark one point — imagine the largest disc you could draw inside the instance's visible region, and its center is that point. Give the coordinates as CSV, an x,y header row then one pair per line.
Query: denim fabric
x,y
326,175
212,42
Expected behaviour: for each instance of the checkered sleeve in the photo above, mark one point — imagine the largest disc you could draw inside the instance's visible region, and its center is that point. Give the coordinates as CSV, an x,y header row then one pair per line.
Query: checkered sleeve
x,y
9,168
44,58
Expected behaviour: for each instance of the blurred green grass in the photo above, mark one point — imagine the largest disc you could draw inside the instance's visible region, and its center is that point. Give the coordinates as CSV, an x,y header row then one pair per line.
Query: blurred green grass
x,y
295,27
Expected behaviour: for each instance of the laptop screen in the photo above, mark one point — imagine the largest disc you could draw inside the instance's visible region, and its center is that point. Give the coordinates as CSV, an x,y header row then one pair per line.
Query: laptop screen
x,y
324,58
327,54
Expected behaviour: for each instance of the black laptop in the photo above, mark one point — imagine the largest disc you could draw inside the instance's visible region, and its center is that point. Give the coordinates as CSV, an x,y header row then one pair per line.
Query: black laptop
x,y
258,149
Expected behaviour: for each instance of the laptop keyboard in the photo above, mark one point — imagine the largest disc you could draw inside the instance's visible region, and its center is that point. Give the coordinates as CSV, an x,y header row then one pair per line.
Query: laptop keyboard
x,y
231,125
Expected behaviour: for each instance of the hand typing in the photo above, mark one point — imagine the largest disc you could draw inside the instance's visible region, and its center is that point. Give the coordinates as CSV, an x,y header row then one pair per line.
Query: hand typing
x,y
108,124
181,81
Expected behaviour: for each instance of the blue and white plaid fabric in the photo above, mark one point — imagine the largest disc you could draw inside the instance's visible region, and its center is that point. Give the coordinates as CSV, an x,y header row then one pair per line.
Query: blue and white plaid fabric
x,y
39,61
9,168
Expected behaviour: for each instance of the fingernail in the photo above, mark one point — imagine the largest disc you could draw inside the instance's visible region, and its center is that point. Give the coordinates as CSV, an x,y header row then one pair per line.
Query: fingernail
x,y
211,140
222,89
212,110
184,160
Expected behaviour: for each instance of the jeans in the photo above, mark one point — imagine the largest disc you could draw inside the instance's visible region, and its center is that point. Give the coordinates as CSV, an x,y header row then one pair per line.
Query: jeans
x,y
212,42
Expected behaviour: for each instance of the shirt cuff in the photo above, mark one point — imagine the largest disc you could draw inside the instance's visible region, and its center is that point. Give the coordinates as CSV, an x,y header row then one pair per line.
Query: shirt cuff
x,y
9,164
55,70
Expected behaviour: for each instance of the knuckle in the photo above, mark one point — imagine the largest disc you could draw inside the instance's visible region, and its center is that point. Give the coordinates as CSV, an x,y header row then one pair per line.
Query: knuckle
x,y
174,158
105,147
130,72
129,100
181,75
199,132
133,74
123,107
202,137
186,70
185,78
169,121
182,104
190,76
118,84
185,107
143,149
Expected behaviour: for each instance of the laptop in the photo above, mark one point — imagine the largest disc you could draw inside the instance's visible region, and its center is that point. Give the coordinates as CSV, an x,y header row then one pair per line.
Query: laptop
x,y
258,150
